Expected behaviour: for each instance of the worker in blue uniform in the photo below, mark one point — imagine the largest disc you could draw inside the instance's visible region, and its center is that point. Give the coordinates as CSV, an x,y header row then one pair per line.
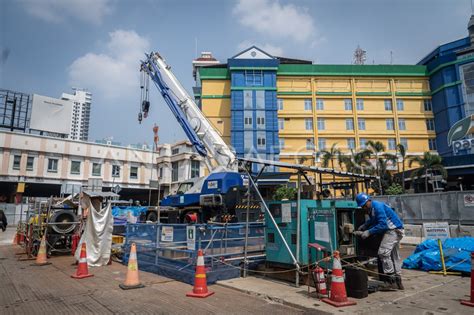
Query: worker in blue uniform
x,y
383,220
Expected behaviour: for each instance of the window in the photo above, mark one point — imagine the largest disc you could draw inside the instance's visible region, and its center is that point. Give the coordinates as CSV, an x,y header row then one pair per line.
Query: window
x,y
115,170
52,165
260,121
360,104
310,144
195,168
261,141
432,144
75,167
253,77
281,142
174,171
280,103
361,123
260,99
281,123
348,104
389,124
349,124
133,172
392,144
161,172
430,125
308,122
404,142
401,124
388,105
30,161
400,105
307,104
248,99
350,143
428,106
321,143
175,151
321,124
319,104
96,169
363,143
16,162
248,121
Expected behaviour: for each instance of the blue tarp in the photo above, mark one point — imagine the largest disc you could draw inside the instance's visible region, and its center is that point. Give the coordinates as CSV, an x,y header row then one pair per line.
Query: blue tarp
x,y
120,211
457,255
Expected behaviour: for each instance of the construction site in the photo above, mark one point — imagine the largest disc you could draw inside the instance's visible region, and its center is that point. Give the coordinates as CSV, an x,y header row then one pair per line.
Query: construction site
x,y
227,243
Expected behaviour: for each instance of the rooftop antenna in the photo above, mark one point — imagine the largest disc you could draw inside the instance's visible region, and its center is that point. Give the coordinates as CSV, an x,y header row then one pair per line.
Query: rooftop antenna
x,y
360,56
391,57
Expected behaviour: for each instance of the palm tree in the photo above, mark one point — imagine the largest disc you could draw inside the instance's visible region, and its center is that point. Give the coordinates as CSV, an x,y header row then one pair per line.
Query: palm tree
x,y
356,162
428,162
403,154
328,156
377,148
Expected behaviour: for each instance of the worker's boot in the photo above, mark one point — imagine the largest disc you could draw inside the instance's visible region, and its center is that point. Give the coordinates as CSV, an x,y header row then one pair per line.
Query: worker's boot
x,y
398,281
389,284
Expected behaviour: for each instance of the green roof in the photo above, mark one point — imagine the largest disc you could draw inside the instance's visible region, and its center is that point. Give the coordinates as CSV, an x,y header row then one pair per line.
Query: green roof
x,y
328,70
214,73
352,70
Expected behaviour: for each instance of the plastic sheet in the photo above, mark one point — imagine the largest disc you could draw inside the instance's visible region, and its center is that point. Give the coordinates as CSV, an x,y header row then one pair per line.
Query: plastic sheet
x,y
456,252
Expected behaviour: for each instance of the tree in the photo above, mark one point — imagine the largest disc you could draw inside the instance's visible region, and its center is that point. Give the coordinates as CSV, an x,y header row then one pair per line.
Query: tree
x,y
329,157
427,163
377,148
403,154
356,162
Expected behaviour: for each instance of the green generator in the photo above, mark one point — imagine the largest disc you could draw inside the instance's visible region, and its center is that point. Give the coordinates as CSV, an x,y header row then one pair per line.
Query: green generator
x,y
329,223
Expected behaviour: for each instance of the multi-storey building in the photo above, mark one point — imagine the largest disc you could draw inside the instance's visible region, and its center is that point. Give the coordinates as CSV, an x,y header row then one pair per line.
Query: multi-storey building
x,y
80,113
51,166
450,69
286,109
176,163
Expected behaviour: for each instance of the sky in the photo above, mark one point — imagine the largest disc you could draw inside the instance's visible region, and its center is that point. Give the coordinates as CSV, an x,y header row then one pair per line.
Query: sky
x,y
49,46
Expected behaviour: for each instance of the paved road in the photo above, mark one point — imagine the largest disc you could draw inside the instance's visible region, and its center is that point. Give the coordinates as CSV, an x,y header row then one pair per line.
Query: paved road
x,y
26,289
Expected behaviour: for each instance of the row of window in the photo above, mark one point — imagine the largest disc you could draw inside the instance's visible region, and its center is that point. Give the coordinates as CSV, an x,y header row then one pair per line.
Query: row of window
x,y
359,104
392,144
75,167
195,170
389,123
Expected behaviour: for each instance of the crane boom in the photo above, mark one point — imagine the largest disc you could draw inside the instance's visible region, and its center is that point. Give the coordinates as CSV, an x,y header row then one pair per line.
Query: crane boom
x,y
205,139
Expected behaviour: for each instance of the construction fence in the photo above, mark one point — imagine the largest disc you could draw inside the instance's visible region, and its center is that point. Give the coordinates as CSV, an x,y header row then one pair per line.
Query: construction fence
x,y
171,249
455,207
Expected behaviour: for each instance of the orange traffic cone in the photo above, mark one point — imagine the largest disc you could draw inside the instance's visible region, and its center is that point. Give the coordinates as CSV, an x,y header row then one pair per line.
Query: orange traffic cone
x,y
42,258
131,280
82,270
15,239
338,295
200,282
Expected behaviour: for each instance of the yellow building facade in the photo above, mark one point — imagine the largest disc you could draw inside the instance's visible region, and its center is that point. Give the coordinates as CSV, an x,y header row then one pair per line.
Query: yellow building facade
x,y
322,105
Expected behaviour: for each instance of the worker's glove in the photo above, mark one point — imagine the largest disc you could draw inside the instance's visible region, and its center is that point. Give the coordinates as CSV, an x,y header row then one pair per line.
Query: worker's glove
x,y
365,234
357,233
361,228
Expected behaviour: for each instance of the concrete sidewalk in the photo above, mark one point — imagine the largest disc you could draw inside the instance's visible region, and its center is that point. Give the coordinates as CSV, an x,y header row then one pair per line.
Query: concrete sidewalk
x,y
26,289
6,238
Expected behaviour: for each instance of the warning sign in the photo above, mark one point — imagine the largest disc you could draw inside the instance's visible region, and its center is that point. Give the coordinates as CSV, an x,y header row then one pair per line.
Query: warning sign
x,y
191,237
436,230
167,234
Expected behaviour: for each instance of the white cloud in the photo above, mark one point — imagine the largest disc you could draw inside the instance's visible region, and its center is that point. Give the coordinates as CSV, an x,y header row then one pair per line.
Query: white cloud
x,y
113,74
269,48
271,18
56,11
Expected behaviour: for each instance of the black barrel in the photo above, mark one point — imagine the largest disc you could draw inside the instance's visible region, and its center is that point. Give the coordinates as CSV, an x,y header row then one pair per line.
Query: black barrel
x,y
356,283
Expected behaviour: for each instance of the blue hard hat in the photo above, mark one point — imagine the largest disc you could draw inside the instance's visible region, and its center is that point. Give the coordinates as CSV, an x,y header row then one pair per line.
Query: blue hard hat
x,y
362,199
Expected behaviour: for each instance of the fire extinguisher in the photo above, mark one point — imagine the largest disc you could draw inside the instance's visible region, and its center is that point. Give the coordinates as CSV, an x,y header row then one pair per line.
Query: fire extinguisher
x,y
320,281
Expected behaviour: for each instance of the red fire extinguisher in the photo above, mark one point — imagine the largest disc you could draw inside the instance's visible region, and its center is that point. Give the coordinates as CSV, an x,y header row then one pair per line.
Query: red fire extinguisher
x,y
320,281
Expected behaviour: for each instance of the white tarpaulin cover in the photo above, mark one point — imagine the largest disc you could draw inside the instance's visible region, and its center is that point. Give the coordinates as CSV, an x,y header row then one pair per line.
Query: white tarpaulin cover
x,y
97,232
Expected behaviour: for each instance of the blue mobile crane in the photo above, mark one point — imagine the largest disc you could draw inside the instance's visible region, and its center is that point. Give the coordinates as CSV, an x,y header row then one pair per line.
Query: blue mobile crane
x,y
211,197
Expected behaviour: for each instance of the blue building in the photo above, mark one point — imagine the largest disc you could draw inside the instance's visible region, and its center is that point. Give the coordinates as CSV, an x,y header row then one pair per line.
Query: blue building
x,y
451,71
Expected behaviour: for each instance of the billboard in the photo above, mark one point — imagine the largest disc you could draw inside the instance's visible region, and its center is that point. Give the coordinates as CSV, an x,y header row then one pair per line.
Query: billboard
x,y
51,114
